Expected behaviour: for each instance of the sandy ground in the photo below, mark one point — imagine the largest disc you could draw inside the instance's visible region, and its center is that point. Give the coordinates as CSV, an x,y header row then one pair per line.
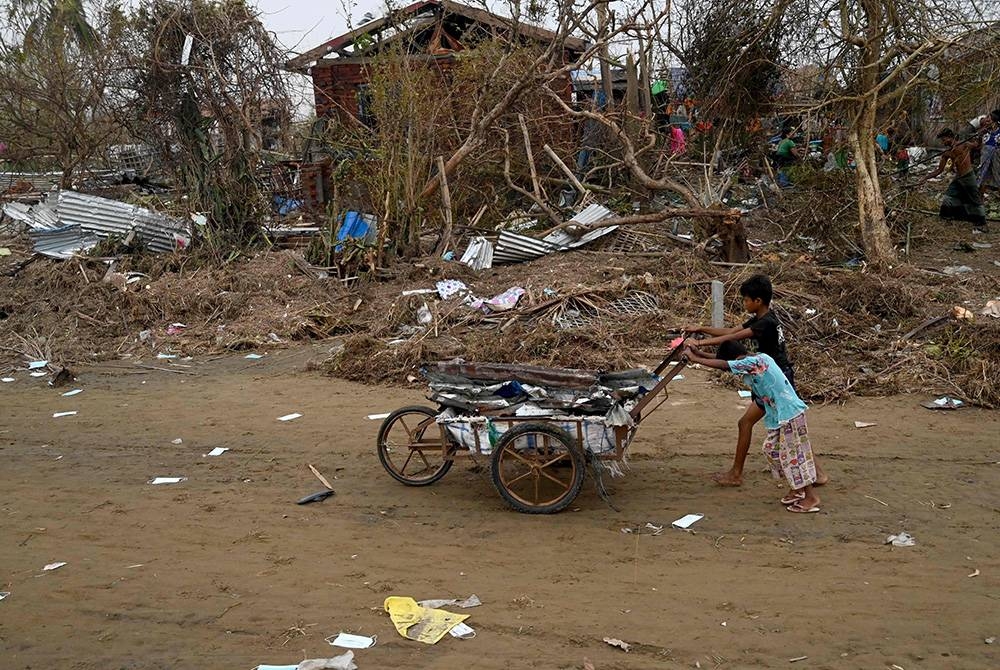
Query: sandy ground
x,y
225,571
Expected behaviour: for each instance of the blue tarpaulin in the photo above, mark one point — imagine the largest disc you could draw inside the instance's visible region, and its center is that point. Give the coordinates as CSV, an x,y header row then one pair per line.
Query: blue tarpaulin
x,y
357,226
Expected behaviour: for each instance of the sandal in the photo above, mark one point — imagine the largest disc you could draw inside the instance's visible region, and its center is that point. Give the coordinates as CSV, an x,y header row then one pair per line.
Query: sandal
x,y
792,499
797,508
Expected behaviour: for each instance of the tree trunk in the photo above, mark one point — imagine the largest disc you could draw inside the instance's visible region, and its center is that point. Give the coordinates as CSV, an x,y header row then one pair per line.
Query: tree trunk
x,y
875,235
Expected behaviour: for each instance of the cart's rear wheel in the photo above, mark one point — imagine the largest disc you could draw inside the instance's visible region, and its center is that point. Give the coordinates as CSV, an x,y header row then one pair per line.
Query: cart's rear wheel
x,y
537,468
410,446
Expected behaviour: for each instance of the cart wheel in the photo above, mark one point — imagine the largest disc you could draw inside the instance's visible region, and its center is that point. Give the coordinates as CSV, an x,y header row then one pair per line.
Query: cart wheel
x,y
410,446
537,468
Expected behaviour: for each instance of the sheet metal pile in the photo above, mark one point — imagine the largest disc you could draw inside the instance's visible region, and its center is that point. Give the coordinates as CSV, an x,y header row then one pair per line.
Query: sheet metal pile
x,y
525,390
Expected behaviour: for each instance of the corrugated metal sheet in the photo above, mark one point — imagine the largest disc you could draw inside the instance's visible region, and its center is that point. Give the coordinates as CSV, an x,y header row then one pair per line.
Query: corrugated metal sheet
x,y
514,248
62,242
110,217
479,255
40,181
96,218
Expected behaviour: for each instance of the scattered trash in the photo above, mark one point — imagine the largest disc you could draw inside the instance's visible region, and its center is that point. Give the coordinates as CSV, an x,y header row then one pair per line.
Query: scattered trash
x,y
4,594
962,314
797,659
7,380
74,392
273,337
479,254
253,357
975,573
37,374
943,403
349,641
981,245
176,328
901,540
502,302
992,308
615,642
167,480
463,631
34,365
990,640
864,424
745,394
420,623
54,566
218,451
343,662
956,269
687,521
809,311
315,497
448,255
166,356
289,417
424,316
177,441
4,251
378,417
471,601
62,414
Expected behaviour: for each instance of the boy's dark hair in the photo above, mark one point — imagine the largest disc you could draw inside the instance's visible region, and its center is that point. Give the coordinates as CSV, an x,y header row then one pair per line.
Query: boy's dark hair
x,y
758,286
730,351
995,115
946,133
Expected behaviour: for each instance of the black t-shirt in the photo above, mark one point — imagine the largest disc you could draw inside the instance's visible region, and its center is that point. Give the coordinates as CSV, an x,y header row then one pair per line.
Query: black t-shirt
x,y
769,338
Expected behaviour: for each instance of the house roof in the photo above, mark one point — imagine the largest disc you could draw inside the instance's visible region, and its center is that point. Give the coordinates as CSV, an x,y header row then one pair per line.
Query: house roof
x,y
408,19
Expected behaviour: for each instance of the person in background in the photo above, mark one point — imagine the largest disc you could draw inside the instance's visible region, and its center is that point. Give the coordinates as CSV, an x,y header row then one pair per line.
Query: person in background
x,y
962,200
989,165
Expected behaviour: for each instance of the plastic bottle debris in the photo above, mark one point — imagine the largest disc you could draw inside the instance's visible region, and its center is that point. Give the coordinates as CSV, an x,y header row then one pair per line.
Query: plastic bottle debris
x,y
901,540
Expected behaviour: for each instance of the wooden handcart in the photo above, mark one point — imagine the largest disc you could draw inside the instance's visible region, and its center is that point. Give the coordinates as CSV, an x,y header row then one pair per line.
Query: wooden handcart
x,y
537,463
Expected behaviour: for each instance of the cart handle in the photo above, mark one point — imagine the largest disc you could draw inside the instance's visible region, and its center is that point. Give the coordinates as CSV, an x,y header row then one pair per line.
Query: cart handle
x,y
674,355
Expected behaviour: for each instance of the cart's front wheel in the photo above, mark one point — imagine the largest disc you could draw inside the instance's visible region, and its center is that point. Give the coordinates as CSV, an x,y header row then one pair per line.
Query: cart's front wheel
x,y
537,468
411,448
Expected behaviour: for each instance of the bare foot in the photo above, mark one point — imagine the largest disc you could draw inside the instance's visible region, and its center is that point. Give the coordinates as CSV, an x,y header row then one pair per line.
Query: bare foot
x,y
727,478
821,479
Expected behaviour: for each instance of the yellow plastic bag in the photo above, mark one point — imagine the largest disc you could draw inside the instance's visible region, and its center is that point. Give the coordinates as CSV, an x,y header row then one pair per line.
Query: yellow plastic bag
x,y
420,623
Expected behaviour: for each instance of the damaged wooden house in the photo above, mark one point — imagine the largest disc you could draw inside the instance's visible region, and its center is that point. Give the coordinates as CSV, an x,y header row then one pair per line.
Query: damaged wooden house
x,y
435,32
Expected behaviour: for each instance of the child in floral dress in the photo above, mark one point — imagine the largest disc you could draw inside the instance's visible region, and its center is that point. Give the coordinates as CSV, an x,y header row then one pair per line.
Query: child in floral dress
x,y
786,445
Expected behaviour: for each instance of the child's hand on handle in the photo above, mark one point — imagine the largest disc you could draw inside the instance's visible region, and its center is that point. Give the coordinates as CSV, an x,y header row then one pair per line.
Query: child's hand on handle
x,y
691,330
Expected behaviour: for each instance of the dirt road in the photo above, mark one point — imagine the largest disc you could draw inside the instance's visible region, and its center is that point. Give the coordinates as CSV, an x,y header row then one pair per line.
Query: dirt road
x,y
225,571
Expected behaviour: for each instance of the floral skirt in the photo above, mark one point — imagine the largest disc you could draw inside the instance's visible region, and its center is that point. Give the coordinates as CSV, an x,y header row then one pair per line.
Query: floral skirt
x,y
789,453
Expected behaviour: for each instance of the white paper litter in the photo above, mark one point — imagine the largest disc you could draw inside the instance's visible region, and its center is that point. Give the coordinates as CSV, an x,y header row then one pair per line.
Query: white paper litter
x,y
34,365
864,424
4,594
289,417
343,662
74,392
177,441
744,394
463,631
37,374
954,402
376,417
167,480
60,414
218,451
7,380
54,566
253,357
687,520
349,641
901,540
163,356
615,642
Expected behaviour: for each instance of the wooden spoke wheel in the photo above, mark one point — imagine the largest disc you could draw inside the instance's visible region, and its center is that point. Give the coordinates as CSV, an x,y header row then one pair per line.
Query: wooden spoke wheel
x,y
411,448
537,468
